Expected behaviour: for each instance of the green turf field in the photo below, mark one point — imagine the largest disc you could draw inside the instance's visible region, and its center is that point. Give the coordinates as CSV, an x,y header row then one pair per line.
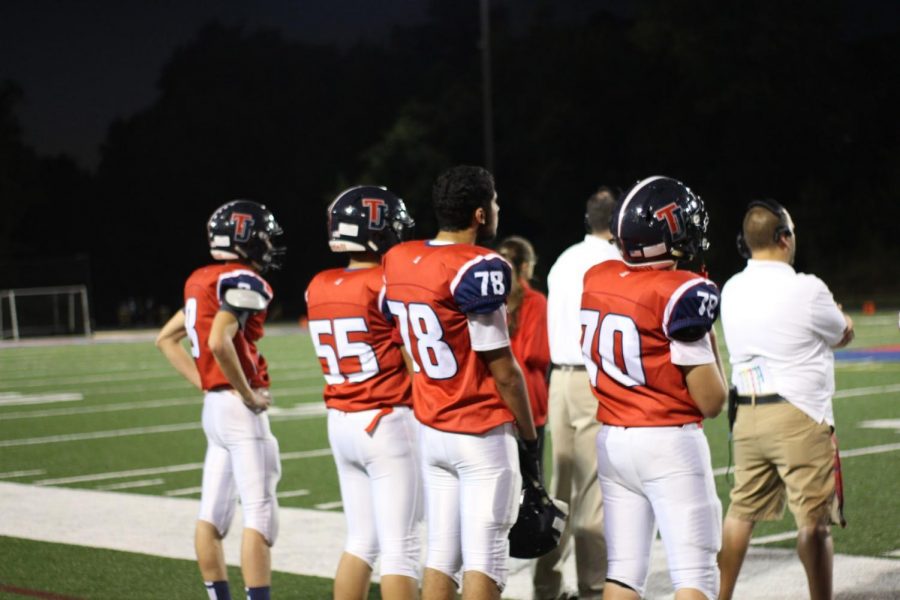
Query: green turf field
x,y
115,416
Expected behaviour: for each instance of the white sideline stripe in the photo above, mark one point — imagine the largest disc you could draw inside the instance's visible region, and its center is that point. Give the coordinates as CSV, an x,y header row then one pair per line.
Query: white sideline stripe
x,y
148,404
185,491
867,391
131,484
295,413
330,505
119,474
167,469
893,553
87,410
292,493
17,399
311,542
96,435
28,473
844,454
776,537
869,450
299,374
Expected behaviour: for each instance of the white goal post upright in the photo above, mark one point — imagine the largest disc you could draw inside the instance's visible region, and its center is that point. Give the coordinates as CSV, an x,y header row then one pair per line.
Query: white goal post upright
x,y
70,292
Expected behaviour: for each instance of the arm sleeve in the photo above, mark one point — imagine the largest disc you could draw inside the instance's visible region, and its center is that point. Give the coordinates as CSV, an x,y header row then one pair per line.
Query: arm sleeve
x,y
687,354
691,314
481,286
827,319
488,331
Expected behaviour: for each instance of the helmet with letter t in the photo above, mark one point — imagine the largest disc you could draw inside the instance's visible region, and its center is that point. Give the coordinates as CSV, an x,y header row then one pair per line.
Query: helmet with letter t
x,y
245,230
658,222
367,218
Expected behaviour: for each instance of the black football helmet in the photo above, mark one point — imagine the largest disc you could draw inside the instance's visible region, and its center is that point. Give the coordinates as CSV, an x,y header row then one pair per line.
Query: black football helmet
x,y
367,218
245,230
540,522
659,221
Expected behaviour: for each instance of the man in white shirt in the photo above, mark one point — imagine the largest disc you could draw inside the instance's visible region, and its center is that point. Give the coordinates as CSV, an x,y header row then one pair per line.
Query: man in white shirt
x,y
780,327
572,413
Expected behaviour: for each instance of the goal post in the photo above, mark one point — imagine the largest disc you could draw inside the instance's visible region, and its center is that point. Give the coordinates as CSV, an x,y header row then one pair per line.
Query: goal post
x,y
55,310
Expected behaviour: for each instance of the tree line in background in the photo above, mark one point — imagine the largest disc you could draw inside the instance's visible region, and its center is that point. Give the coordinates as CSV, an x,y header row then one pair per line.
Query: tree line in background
x,y
753,99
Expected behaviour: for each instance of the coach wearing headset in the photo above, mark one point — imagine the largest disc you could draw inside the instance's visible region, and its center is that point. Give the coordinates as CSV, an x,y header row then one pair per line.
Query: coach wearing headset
x,y
780,328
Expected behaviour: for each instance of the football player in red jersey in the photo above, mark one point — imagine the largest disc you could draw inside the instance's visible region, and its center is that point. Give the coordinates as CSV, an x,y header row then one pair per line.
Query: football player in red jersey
x,y
651,355
448,298
371,427
224,310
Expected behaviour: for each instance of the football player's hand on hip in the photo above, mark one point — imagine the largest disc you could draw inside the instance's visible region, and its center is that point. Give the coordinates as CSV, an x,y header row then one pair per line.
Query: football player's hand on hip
x,y
259,400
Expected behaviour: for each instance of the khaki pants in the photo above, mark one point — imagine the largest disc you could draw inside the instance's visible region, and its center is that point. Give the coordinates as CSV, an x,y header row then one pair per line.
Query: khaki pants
x,y
573,428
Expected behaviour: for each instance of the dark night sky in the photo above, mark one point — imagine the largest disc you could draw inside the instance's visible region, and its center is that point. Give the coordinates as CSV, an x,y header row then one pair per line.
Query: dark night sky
x,y
83,63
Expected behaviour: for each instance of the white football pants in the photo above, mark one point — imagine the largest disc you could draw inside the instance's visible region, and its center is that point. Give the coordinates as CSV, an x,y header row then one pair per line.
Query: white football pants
x,y
472,489
242,460
660,476
381,486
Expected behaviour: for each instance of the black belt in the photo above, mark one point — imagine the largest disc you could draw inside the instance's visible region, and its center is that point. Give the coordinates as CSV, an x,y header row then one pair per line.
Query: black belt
x,y
569,367
767,399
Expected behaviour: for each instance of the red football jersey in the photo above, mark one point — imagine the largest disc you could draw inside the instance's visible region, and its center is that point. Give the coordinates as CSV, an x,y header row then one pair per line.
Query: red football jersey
x,y
430,289
204,294
355,342
629,317
531,348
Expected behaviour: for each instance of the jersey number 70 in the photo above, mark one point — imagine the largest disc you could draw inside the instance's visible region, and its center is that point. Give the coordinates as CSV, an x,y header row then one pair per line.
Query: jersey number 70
x,y
618,337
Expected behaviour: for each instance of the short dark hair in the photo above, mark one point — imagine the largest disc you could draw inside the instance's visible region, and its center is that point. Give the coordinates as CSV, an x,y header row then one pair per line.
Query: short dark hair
x,y
458,192
759,226
598,209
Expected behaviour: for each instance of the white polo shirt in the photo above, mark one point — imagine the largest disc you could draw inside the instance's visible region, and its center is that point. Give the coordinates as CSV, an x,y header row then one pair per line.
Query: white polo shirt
x,y
564,285
779,327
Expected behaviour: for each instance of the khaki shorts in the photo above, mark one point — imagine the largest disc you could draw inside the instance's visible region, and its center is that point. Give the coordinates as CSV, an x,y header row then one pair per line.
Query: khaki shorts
x,y
781,454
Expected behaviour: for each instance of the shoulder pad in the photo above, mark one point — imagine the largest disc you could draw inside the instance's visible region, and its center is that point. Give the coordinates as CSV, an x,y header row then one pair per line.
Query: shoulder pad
x,y
243,289
244,299
692,310
482,284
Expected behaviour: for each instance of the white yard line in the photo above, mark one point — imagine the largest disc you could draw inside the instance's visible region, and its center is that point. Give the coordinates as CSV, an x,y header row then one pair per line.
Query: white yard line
x,y
330,505
196,466
311,542
869,450
100,408
293,493
26,473
196,399
298,412
17,399
776,537
299,374
867,391
125,485
184,491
